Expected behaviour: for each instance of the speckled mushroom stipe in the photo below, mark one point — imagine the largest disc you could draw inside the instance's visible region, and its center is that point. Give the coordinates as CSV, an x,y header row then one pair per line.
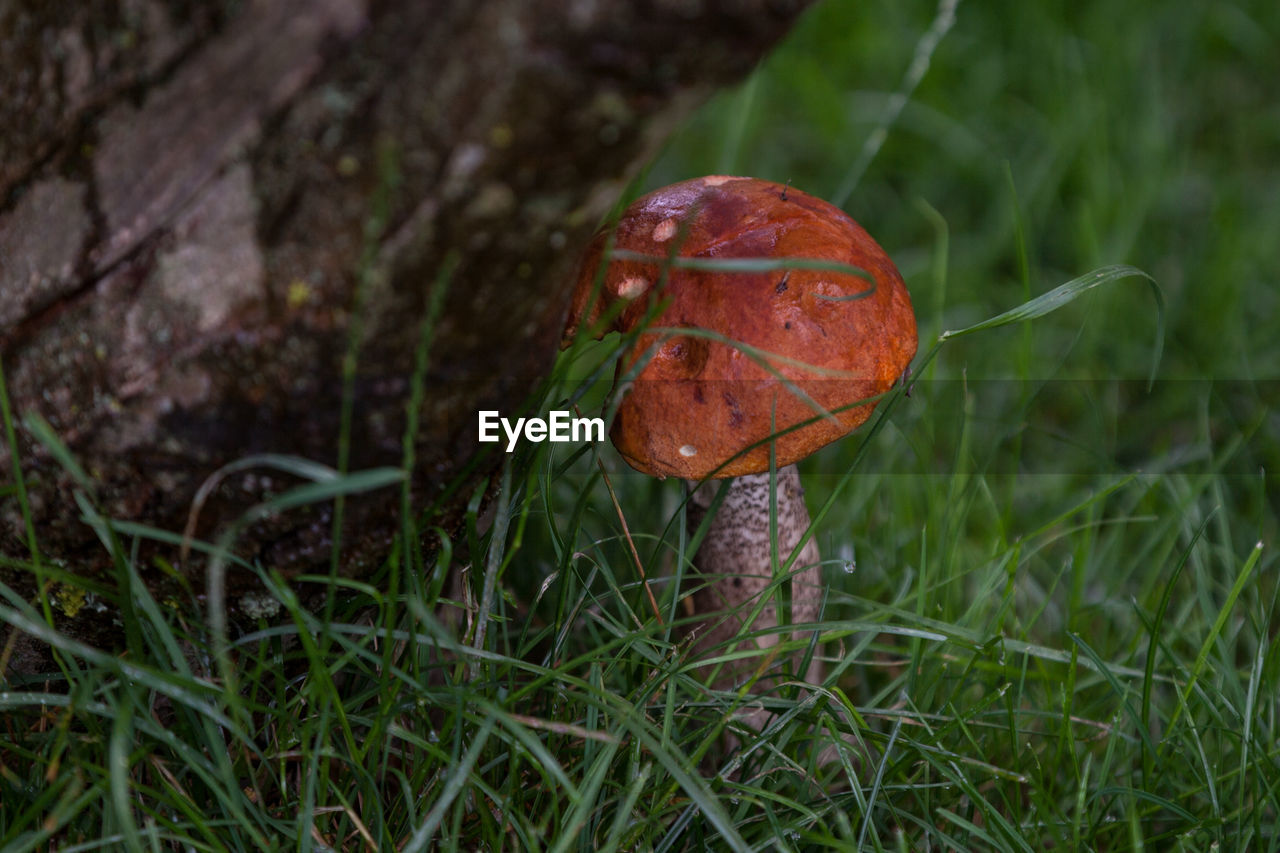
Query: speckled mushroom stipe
x,y
735,562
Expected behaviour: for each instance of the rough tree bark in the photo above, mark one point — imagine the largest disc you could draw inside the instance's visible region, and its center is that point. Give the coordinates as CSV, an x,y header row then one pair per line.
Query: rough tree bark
x,y
190,192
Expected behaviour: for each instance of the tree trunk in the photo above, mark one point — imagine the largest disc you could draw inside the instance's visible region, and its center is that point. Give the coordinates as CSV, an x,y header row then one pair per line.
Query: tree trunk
x,y
197,199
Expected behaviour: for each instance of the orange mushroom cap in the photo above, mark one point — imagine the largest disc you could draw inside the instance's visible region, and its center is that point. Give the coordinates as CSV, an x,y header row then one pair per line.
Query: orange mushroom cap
x,y
699,402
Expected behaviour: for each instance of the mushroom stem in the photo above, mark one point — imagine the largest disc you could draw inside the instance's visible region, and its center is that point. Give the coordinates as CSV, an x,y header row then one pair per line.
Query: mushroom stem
x,y
735,560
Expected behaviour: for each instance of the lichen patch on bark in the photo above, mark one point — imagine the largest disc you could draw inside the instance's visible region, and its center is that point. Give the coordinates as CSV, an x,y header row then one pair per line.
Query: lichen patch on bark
x,y
41,239
215,270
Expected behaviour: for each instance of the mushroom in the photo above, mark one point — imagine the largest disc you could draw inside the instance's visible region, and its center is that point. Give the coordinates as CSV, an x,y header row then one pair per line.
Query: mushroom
x,y
704,406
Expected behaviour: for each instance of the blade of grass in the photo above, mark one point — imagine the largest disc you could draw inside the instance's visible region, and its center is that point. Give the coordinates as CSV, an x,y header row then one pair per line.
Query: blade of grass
x,y
24,504
1197,668
876,782
118,771
1161,609
493,559
1068,292
923,55
1102,667
45,434
453,786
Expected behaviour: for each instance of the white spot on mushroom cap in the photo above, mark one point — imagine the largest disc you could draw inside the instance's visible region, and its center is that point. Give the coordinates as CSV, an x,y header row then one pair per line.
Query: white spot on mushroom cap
x,y
665,230
688,450
716,180
632,286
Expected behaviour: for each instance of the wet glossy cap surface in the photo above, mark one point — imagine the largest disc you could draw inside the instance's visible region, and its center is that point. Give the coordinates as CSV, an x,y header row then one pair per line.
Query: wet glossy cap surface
x,y
699,402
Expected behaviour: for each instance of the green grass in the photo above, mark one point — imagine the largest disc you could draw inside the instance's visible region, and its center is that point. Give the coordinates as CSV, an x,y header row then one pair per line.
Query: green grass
x,y
1052,585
